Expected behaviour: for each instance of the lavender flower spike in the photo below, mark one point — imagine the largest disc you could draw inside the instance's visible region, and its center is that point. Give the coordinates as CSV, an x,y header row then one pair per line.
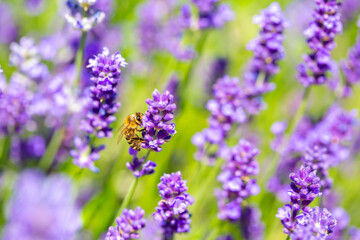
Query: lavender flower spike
x,y
311,223
235,177
172,213
320,38
106,71
127,225
304,188
83,15
317,224
268,48
351,67
156,121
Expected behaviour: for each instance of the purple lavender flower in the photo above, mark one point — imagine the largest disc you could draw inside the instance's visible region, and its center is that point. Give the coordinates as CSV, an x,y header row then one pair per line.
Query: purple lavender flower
x,y
267,48
14,103
316,224
212,14
226,110
25,56
304,188
311,223
127,225
83,15
320,38
252,227
173,87
349,10
354,233
217,69
138,167
268,51
235,177
106,73
85,155
172,213
156,121
351,68
160,29
42,208
278,129
26,149
320,145
8,30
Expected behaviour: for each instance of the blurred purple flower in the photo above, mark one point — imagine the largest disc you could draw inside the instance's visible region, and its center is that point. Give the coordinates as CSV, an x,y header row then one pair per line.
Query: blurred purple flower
x,y
127,225
85,155
83,15
252,227
34,7
320,145
226,110
8,30
237,184
14,104
172,213
320,38
212,14
42,208
349,9
217,69
351,68
156,121
26,149
160,29
267,48
25,56
173,87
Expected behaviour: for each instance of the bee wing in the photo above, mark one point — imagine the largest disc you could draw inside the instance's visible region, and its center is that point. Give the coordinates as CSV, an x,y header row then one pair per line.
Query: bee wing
x,y
121,131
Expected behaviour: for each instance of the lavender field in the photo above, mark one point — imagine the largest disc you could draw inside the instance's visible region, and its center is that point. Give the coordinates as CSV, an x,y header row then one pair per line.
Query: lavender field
x,y
179,119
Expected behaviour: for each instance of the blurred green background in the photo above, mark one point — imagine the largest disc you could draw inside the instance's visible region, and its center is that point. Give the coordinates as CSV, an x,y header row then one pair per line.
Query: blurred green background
x,y
113,180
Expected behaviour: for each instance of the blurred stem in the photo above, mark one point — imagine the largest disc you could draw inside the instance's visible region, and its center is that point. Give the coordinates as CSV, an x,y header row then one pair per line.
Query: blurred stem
x,y
128,196
300,112
131,191
52,149
199,48
288,237
6,142
79,59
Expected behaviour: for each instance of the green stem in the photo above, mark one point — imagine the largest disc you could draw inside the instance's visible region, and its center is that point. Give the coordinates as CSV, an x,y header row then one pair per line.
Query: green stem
x,y
199,48
79,58
131,191
5,151
300,112
53,147
288,237
128,196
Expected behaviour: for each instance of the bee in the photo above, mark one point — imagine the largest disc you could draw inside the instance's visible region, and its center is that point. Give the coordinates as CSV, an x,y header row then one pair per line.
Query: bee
x,y
130,128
